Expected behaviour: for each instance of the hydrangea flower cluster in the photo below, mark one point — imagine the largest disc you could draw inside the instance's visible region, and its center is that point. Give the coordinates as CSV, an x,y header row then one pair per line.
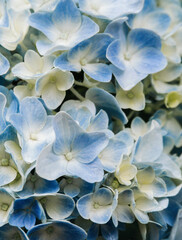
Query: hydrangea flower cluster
x,y
90,119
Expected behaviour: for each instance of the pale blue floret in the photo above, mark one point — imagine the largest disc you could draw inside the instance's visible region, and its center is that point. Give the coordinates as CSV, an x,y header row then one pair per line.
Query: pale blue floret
x,y
51,230
81,112
34,128
110,9
64,27
123,212
63,204
151,18
75,187
36,186
88,56
112,154
73,153
97,206
134,56
84,113
107,102
10,232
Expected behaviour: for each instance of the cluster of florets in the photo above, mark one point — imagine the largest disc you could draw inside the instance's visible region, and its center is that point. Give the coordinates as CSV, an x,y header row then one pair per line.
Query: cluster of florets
x,y
90,119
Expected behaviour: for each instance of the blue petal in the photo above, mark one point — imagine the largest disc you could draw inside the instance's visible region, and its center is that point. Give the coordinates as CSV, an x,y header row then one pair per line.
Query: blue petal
x,y
90,172
87,146
116,30
66,16
104,100
64,64
98,71
87,29
93,232
111,155
140,38
29,221
109,231
35,114
128,78
51,166
17,218
99,122
58,230
148,60
66,130
43,22
110,9
2,109
115,54
44,186
4,65
149,147
83,205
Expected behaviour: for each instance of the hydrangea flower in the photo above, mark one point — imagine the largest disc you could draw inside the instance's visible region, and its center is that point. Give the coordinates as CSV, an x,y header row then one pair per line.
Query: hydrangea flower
x,y
36,186
134,56
15,32
64,27
110,9
133,98
34,66
151,17
74,152
57,206
25,212
62,229
34,128
75,187
89,56
52,87
90,119
97,206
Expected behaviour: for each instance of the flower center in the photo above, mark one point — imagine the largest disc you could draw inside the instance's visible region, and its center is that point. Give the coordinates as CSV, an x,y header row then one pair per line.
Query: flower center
x,y
33,136
69,156
53,79
43,200
96,205
4,162
115,184
69,180
83,61
130,95
30,86
50,230
4,207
